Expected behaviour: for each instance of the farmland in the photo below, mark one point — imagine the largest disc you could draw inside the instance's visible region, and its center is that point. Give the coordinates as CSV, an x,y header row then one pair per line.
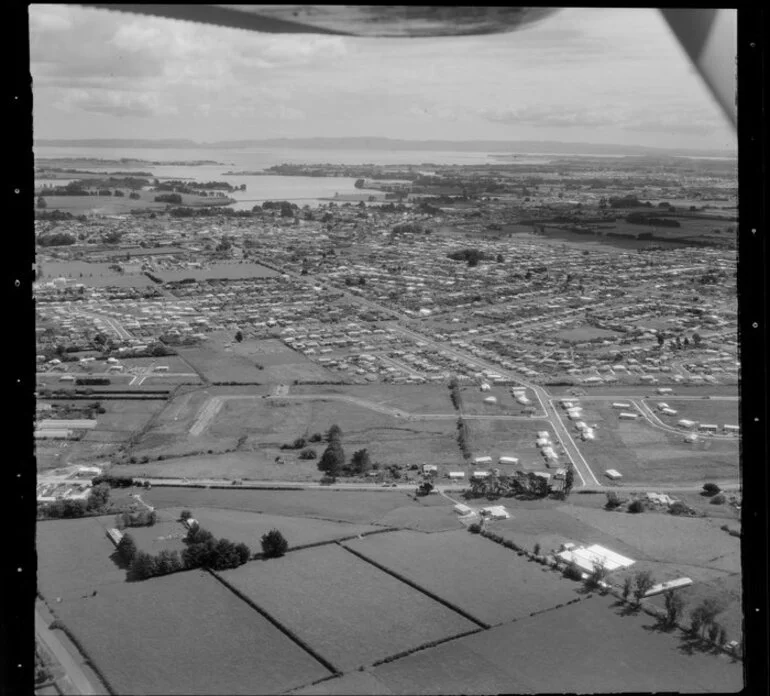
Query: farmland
x,y
186,634
597,650
335,602
74,558
360,507
488,581
248,527
473,402
713,411
411,398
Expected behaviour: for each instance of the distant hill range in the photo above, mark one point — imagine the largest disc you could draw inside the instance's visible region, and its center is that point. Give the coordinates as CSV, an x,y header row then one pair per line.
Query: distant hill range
x,y
383,144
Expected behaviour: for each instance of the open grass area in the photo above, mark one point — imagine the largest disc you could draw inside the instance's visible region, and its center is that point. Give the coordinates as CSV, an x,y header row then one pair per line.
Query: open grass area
x,y
486,580
639,391
347,610
716,412
411,398
166,534
95,275
646,454
586,647
351,684
474,404
584,332
73,558
111,205
438,518
248,527
497,438
359,507
185,634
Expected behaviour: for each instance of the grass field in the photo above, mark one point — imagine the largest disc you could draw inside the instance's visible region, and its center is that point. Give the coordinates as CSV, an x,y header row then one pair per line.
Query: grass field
x,y
643,453
484,579
497,438
166,534
473,402
586,647
701,411
95,275
423,519
346,506
347,610
351,684
74,558
585,332
230,270
249,527
111,205
412,398
121,419
185,634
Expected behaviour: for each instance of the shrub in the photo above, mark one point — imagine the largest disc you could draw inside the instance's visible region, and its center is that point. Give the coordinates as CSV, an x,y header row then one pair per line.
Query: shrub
x,y
636,506
572,572
710,488
613,500
679,508
185,515
627,587
273,544
474,528
536,549
307,454
718,499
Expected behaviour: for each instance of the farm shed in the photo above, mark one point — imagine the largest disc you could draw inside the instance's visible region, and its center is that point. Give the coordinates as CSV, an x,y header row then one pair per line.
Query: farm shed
x,y
586,558
543,434
692,437
114,535
684,423
669,585
508,460
483,460
496,512
462,510
731,428
429,468
613,474
621,404
665,390
708,427
480,474
625,415
456,475
669,411
490,400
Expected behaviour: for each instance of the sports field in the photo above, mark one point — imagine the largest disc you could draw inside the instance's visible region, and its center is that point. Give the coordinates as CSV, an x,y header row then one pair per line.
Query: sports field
x,y
185,634
486,580
346,609
586,647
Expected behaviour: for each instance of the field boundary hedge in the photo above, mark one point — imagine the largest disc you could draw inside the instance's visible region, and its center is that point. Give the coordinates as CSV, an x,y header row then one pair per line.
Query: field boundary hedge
x,y
417,587
87,657
425,646
335,671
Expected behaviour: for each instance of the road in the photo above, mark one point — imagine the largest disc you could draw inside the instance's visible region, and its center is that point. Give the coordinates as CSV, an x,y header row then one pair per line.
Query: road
x,y
72,669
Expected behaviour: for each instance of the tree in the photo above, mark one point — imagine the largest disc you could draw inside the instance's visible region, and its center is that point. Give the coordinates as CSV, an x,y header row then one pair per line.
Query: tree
x,y
74,508
474,528
307,454
143,566
710,489
224,555
643,582
361,462
243,552
674,603
98,497
127,548
167,561
613,500
596,577
636,506
707,611
334,433
333,459
41,203
424,488
661,339
536,549
696,339
198,535
239,336
273,544
627,586
185,515
569,480
198,555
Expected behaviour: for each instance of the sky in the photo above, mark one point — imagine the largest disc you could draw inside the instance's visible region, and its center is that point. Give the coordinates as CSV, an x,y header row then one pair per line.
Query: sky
x,y
581,75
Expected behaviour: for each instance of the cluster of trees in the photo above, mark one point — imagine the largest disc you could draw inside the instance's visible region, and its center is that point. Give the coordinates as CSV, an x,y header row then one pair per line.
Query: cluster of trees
x,y
527,485
96,381
173,198
642,219
463,439
97,500
333,462
56,239
138,518
286,208
113,480
455,394
470,256
409,228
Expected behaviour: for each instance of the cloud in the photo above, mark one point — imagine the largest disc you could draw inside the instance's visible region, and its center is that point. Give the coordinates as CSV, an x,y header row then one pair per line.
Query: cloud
x,y
115,103
551,116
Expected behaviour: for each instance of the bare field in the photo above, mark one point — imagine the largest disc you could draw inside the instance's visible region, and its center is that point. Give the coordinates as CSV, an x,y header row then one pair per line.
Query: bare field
x,y
186,634
486,580
599,651
343,607
345,506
